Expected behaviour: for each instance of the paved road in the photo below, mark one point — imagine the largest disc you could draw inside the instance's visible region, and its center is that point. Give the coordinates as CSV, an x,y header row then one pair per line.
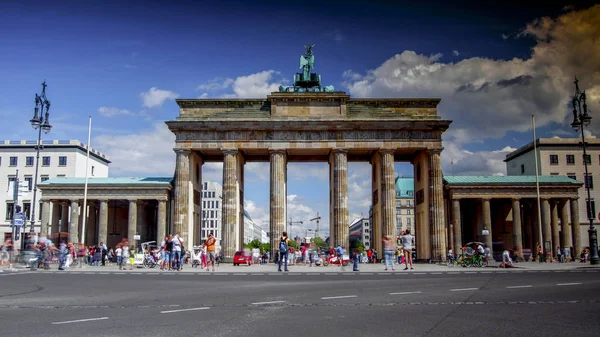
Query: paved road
x,y
559,303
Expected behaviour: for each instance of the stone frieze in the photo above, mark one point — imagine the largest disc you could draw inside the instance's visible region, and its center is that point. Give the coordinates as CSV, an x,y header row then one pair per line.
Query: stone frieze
x,y
302,135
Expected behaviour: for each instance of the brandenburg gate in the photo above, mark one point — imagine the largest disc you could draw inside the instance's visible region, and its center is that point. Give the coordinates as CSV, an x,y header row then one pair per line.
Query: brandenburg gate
x,y
309,122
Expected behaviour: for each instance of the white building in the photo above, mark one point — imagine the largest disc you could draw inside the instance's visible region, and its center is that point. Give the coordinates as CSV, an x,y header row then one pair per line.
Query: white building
x,y
563,157
360,229
58,158
253,231
212,199
405,204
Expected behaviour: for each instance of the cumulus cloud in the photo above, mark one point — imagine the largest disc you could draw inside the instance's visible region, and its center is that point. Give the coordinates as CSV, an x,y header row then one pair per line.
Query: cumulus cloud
x,y
457,161
156,97
141,154
487,97
455,52
113,112
254,85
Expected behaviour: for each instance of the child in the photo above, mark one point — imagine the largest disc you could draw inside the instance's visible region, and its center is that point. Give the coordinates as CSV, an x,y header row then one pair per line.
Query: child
x,y
131,257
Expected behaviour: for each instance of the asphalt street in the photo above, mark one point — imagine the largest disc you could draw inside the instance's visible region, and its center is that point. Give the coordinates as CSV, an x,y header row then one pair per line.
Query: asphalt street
x,y
538,303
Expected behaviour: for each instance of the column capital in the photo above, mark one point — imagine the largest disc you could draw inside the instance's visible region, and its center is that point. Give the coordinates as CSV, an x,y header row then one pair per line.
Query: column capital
x,y
339,150
64,203
574,199
162,200
434,151
132,200
277,151
74,200
486,199
515,199
180,151
229,151
456,198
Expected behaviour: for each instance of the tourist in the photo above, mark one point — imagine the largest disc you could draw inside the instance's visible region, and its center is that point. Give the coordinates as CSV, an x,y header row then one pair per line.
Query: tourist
x,y
407,243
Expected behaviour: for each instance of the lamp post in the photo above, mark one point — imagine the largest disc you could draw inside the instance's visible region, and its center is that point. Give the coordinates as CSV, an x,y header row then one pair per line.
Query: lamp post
x,y
39,123
580,120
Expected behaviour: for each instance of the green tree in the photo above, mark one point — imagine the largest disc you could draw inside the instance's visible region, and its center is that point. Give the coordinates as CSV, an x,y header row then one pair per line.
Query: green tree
x,y
265,247
358,245
320,243
254,244
293,244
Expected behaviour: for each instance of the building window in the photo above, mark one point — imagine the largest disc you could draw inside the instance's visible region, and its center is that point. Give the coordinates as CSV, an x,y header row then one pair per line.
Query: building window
x,y
27,209
93,170
399,222
410,193
589,181
553,159
9,210
570,159
522,168
213,194
13,161
217,204
408,222
553,174
29,181
60,176
45,161
203,203
398,203
28,161
44,178
40,211
408,203
205,185
591,209
398,212
572,176
62,161
0,161
408,211
11,182
587,158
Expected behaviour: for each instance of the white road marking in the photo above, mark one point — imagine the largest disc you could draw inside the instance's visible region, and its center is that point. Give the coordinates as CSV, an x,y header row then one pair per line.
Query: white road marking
x,y
436,273
240,274
180,310
81,320
568,284
406,293
419,273
259,303
334,297
517,287
464,289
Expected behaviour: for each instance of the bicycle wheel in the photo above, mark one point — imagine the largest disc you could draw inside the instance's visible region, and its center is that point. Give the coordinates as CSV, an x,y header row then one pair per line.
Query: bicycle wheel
x,y
484,263
450,262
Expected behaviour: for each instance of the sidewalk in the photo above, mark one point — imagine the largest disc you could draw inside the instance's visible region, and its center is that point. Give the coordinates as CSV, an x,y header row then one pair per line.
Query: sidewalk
x,y
363,267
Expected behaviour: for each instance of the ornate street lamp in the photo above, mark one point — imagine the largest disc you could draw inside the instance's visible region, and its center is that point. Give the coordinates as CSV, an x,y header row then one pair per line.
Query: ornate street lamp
x,y
39,123
580,120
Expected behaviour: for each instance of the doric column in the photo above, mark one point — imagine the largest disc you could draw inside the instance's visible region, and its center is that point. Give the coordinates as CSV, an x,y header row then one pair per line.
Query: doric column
x,y
388,195
546,227
575,227
278,194
182,193
103,222
74,224
230,203
436,206
517,231
55,217
565,225
132,222
64,216
339,183
161,223
487,223
457,225
554,224
45,218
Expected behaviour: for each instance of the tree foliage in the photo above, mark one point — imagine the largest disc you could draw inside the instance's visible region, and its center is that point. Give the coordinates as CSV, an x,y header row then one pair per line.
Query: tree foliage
x,y
320,243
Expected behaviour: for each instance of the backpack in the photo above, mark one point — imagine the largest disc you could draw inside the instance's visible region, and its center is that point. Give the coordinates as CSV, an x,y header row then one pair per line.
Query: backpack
x,y
283,248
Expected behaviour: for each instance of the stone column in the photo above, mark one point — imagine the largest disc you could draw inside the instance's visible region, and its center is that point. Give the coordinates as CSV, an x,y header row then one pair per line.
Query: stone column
x,y
55,217
575,227
388,195
182,193
278,194
103,222
64,217
456,221
517,231
436,204
74,224
487,223
546,227
339,184
565,225
132,222
230,205
554,224
161,223
45,218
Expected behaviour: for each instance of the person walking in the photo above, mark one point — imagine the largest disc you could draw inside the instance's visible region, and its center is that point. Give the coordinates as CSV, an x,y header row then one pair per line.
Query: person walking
x,y
388,251
209,244
355,255
177,257
407,243
104,249
283,250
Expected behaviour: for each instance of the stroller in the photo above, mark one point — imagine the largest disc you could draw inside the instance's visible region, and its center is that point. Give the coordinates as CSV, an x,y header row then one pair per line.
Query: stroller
x,y
197,257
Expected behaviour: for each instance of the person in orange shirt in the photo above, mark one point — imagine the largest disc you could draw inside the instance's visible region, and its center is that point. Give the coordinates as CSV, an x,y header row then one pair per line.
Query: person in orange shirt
x,y
210,250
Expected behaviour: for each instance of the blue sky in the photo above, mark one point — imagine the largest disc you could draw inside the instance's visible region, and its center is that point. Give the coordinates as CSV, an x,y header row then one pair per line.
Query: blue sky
x,y
123,63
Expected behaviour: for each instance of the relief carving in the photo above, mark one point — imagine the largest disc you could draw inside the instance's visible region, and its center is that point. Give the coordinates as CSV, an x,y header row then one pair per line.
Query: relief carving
x,y
236,135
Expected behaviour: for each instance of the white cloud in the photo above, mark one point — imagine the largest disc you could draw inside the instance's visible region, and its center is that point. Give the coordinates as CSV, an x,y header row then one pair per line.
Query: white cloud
x,y
155,97
455,52
141,154
217,83
255,85
204,95
486,97
456,161
112,112
504,36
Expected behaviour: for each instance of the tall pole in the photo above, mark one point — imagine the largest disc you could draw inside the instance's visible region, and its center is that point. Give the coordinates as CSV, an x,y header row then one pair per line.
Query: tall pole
x,y
15,230
37,165
85,188
537,186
